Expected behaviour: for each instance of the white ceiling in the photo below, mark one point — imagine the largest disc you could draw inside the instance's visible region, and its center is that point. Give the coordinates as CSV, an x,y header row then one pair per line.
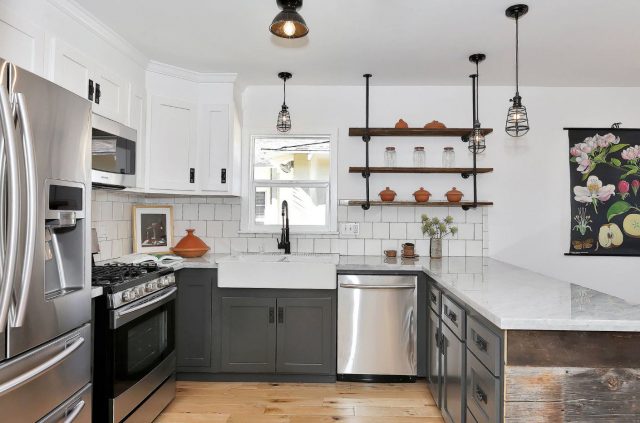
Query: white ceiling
x,y
402,42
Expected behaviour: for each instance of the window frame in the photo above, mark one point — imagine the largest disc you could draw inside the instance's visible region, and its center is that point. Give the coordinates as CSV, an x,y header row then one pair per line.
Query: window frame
x,y
248,224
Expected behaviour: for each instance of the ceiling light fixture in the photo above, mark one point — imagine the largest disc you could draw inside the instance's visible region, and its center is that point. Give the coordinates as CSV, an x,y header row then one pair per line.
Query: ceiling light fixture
x,y
477,142
284,118
289,23
517,120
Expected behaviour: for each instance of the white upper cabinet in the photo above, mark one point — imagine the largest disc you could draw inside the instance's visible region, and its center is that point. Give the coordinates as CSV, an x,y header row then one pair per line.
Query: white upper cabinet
x,y
70,68
110,95
21,42
138,121
215,134
171,153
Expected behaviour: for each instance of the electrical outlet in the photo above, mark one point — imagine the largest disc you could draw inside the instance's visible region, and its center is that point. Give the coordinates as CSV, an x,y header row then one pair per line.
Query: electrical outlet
x,y
349,228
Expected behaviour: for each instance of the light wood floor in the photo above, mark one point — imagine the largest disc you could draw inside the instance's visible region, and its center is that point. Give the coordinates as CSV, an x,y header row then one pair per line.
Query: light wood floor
x,y
301,403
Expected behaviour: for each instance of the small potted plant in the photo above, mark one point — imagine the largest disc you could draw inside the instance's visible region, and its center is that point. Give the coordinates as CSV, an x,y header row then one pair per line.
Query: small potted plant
x,y
437,229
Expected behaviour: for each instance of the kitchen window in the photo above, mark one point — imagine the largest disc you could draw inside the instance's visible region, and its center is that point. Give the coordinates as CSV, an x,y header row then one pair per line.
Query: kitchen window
x,y
298,169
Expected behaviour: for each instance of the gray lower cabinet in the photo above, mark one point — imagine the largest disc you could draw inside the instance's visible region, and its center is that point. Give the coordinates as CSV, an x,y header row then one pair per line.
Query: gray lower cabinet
x,y
248,335
278,335
194,320
304,336
434,358
453,377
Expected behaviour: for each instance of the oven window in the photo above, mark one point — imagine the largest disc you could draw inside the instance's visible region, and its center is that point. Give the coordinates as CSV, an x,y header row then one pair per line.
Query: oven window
x,y
140,345
112,154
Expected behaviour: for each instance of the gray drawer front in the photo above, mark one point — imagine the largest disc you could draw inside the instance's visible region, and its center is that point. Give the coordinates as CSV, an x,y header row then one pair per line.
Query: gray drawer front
x,y
434,296
484,344
483,392
453,316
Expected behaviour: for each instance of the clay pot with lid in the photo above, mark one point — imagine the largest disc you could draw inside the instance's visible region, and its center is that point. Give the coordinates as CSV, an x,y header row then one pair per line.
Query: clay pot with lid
x,y
387,195
190,246
434,124
422,195
401,124
454,196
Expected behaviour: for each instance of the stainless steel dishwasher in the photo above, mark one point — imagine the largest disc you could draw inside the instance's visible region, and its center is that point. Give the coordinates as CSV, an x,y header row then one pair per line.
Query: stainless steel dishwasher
x,y
377,328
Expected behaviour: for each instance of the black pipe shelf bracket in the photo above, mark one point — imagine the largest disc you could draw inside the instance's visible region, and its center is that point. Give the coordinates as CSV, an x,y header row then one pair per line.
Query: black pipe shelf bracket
x,y
366,173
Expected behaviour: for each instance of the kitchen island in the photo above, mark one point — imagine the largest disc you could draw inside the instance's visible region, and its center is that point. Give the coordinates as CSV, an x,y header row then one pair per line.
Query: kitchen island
x,y
533,348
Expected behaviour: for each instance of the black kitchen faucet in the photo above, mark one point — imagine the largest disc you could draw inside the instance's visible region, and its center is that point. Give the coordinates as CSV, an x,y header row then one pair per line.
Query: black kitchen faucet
x,y
283,242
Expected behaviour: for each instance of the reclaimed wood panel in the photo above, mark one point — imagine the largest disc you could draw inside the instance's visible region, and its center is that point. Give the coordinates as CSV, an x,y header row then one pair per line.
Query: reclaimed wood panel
x,y
573,349
571,394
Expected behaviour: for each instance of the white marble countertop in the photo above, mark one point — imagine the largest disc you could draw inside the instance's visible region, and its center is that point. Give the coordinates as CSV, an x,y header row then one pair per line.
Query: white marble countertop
x,y
515,298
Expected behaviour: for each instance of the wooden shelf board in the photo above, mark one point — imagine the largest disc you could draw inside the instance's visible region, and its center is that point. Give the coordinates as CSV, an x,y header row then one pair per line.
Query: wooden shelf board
x,y
416,204
454,170
415,132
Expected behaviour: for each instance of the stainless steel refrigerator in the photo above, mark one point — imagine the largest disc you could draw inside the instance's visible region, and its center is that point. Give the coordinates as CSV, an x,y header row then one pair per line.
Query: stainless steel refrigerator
x,y
45,300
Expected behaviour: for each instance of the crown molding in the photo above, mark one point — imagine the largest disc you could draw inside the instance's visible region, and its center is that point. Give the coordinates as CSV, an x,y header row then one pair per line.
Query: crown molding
x,y
189,75
89,21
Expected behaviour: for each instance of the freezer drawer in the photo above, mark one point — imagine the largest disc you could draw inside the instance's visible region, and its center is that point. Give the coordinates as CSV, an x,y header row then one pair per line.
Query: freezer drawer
x,y
76,409
377,325
37,382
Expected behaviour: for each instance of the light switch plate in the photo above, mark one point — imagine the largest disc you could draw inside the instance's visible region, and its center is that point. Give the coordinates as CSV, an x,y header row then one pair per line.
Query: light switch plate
x,y
349,228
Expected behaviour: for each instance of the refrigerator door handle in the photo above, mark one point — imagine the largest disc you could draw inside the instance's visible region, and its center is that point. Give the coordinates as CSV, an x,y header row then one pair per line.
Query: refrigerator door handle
x,y
42,368
13,204
31,216
75,411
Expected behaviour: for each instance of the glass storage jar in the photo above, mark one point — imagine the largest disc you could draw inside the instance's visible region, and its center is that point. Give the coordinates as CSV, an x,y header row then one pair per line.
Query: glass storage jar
x,y
419,157
448,157
390,157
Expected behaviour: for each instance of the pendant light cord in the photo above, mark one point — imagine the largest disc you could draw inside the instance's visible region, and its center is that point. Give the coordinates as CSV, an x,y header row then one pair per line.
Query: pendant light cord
x,y
284,89
517,57
477,93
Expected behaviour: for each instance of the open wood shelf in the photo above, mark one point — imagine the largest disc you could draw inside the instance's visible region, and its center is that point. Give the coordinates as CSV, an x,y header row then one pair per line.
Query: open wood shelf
x,y
461,170
415,132
416,204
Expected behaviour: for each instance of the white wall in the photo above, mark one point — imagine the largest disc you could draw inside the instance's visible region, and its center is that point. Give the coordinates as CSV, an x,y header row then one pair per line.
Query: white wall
x,y
530,223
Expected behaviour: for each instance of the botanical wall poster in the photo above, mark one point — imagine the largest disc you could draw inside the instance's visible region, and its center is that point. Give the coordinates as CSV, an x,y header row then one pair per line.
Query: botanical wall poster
x,y
605,191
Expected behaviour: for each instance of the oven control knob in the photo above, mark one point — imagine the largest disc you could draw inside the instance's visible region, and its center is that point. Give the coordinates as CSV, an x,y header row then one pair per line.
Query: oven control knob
x,y
126,296
151,286
163,281
171,279
139,290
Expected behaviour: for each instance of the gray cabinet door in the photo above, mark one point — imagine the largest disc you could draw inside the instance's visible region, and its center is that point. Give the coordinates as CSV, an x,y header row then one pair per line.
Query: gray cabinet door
x,y
306,336
193,320
248,335
434,357
453,377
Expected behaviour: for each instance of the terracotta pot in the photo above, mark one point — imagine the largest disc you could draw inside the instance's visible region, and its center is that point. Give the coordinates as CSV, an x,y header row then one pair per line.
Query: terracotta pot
x,y
454,195
190,246
401,124
422,195
390,253
434,124
387,195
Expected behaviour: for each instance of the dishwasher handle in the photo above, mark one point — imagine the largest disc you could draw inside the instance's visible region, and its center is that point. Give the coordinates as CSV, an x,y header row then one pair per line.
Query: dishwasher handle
x,y
368,286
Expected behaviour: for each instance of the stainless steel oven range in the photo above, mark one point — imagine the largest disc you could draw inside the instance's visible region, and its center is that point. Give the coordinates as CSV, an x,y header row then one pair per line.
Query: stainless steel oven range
x,y
134,342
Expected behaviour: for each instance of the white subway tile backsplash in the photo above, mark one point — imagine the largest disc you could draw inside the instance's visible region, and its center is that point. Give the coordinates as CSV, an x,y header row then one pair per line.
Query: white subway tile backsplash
x,y
355,247
457,248
339,246
223,211
342,214
118,211
373,214
473,248
477,233
355,214
239,245
389,214
190,211
465,231
106,211
398,231
222,246
474,215
372,247
381,230
230,228
406,214
199,226
214,229
235,211
321,246
305,245
206,211
414,230
366,230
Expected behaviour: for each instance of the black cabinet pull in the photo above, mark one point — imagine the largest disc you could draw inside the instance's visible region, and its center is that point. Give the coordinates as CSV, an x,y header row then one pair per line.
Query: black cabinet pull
x,y
481,343
280,314
434,299
91,90
452,316
272,315
192,175
223,176
98,93
480,395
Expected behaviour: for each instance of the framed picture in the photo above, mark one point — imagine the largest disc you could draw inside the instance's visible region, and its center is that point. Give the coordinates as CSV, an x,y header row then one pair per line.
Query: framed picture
x,y
152,229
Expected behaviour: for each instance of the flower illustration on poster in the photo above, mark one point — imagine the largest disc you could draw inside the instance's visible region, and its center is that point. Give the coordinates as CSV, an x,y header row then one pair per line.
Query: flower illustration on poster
x,y
605,185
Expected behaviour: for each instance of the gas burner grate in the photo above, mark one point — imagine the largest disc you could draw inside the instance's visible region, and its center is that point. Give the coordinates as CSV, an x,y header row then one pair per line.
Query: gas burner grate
x,y
113,274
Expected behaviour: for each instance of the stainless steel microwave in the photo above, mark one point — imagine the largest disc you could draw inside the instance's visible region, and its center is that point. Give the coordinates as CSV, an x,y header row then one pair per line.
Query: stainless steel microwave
x,y
113,154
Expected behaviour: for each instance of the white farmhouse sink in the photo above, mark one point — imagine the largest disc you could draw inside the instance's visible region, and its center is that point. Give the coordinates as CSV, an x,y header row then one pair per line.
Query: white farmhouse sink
x,y
290,271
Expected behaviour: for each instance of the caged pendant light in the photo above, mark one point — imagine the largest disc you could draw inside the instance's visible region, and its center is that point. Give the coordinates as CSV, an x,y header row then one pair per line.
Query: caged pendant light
x,y
476,138
284,118
517,120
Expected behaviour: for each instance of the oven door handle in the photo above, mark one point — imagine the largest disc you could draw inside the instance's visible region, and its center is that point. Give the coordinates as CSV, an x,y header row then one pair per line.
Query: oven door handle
x,y
121,317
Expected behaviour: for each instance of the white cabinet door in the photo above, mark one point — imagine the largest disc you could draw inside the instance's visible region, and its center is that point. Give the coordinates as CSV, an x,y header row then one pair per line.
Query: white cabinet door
x,y
172,145
137,120
21,42
70,68
215,137
110,95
